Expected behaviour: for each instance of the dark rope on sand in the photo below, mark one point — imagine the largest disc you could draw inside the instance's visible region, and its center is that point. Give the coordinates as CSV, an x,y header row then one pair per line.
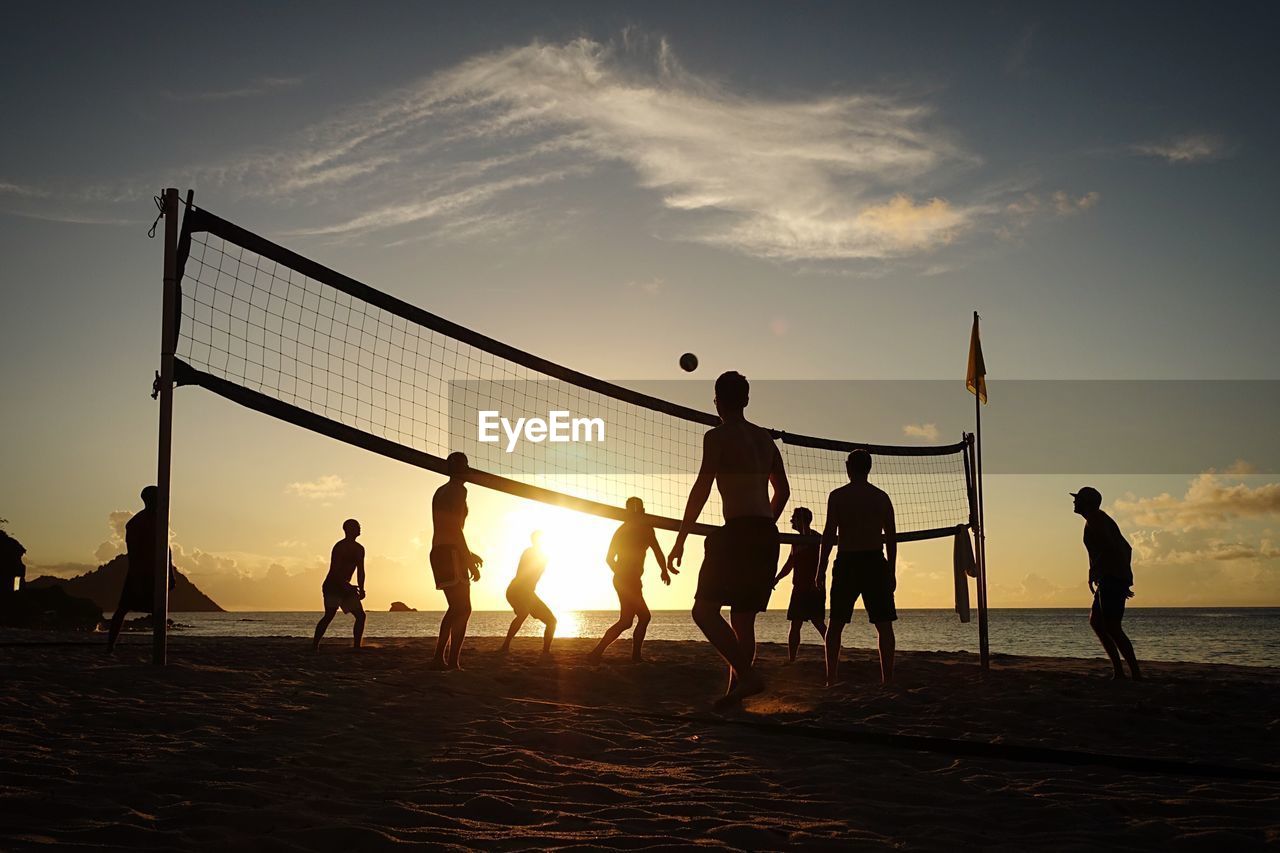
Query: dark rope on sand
x,y
950,746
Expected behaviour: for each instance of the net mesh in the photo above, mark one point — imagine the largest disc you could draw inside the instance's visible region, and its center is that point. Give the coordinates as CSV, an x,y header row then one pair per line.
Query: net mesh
x,y
257,317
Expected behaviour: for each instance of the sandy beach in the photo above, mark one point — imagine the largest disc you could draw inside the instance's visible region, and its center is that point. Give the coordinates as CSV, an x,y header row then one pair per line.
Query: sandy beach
x,y
259,744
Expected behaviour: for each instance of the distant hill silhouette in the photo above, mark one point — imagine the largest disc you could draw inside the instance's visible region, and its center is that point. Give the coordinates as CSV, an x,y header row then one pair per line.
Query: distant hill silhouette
x,y
401,607
102,587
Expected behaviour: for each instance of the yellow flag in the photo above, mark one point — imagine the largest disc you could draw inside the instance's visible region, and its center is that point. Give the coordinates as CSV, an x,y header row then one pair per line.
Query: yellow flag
x,y
976,379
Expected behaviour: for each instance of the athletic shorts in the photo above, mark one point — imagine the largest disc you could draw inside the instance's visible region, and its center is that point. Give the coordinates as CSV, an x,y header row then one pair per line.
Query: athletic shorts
x,y
866,574
449,566
739,566
1108,601
345,597
527,603
807,604
627,584
139,591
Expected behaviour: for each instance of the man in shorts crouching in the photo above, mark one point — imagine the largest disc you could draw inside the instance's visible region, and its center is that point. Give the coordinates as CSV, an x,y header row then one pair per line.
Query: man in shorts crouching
x,y
347,559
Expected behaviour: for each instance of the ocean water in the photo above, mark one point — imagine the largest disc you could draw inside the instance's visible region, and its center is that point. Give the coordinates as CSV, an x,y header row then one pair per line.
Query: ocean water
x,y
1244,635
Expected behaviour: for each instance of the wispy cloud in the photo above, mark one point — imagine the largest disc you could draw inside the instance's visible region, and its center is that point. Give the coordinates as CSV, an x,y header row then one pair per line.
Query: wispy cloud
x,y
480,150
447,205
929,432
89,205
1059,202
71,218
1028,207
842,176
1185,149
650,286
22,191
328,487
1065,204
1016,61
253,89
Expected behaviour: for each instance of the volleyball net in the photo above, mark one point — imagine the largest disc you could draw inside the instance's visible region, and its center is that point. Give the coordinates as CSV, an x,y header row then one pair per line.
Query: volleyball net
x,y
288,337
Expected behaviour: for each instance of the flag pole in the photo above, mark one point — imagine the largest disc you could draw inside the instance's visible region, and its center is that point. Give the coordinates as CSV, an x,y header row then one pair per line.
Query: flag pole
x,y
984,647
168,340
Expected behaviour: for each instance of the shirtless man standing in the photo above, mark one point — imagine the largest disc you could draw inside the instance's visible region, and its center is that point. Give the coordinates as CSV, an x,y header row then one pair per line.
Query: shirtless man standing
x,y
452,563
346,559
742,556
860,519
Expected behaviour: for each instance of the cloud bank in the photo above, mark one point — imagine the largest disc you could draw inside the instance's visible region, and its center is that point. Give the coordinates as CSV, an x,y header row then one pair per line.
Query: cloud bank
x,y
1211,500
1214,543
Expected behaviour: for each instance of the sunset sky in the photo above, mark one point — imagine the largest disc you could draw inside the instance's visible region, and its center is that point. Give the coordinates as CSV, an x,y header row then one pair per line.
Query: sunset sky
x,y
795,191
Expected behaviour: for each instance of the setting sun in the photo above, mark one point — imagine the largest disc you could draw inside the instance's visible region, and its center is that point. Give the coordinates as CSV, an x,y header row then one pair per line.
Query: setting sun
x,y
576,577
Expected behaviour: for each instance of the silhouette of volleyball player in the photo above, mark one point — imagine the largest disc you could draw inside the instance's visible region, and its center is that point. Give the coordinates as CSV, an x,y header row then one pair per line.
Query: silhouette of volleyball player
x,y
860,519
741,556
808,589
139,590
522,595
627,551
13,571
1110,578
453,565
347,558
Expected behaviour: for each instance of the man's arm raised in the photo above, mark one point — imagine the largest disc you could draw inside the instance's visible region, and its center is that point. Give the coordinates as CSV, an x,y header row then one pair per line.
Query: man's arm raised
x,y
697,495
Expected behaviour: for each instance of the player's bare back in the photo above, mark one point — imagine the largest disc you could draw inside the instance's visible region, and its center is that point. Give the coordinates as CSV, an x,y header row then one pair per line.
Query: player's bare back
x,y
744,457
862,513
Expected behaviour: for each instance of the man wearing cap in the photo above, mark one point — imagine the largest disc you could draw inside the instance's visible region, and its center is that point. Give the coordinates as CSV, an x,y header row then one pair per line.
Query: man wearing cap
x,y
1110,578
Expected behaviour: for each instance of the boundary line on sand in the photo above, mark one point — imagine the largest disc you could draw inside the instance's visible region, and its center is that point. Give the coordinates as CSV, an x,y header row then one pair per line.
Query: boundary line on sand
x,y
948,746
